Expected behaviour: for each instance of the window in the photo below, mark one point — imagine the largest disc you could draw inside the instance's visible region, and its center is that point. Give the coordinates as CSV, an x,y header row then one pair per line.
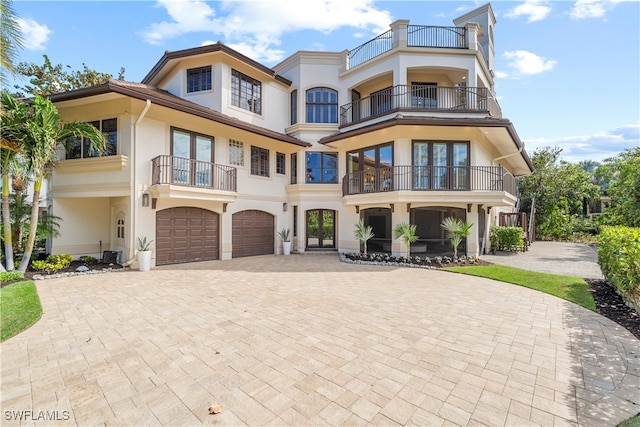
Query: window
x,y
246,92
281,161
259,161
199,79
371,168
120,228
294,168
322,105
79,149
294,107
236,152
192,158
322,168
440,165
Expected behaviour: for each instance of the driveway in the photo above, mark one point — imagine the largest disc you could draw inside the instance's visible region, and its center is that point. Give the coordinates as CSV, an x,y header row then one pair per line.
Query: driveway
x,y
307,340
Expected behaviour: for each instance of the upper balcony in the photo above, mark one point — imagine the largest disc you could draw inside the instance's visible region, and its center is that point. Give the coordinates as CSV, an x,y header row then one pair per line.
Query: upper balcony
x,y
417,98
414,35
430,178
188,178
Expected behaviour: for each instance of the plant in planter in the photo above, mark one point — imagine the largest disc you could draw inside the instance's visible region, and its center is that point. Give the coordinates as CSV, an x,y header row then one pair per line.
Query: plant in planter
x,y
144,254
363,233
407,232
286,241
456,231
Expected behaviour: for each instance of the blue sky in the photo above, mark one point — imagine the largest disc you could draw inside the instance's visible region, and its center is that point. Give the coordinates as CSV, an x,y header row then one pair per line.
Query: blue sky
x,y
567,72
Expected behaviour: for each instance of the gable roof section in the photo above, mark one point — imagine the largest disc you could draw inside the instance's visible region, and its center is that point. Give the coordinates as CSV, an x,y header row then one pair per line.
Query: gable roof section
x,y
166,99
168,57
400,120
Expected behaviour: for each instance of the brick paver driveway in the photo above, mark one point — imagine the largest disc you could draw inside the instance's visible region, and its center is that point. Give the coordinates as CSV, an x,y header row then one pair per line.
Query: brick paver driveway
x,y
304,340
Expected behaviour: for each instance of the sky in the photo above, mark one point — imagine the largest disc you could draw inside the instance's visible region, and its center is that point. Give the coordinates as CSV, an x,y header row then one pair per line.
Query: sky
x,y
567,72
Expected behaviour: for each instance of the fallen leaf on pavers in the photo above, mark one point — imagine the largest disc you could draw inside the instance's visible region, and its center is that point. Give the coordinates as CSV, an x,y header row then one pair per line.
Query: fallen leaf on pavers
x,y
216,408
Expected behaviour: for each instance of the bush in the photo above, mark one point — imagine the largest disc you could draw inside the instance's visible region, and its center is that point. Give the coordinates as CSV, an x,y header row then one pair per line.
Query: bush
x,y
506,238
53,263
87,259
10,276
619,259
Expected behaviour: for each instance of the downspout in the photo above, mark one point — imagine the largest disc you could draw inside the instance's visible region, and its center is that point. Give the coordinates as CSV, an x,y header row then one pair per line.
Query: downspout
x,y
134,190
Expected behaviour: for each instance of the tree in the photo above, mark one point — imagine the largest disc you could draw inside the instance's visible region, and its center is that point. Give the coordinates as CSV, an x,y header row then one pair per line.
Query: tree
x,y
559,189
622,173
456,230
40,134
48,79
363,233
10,38
407,232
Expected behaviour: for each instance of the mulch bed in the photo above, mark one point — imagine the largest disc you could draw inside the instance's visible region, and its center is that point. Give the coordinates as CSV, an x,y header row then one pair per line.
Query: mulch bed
x,y
608,303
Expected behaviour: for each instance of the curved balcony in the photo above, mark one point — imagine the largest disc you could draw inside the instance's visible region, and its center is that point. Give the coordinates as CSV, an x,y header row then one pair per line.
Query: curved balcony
x,y
420,98
193,173
430,178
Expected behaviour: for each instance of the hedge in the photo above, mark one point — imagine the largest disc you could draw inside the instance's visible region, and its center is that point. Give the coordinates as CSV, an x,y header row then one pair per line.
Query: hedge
x,y
619,259
506,238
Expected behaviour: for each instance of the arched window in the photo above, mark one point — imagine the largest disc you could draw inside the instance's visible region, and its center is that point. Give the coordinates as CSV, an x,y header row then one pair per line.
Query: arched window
x,y
322,105
120,227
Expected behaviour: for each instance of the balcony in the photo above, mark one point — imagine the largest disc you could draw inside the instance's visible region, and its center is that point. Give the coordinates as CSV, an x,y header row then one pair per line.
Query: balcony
x,y
416,36
419,98
193,173
430,178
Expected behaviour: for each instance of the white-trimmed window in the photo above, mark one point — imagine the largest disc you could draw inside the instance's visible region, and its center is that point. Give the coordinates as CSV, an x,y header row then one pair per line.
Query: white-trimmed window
x,y
236,152
259,161
246,92
199,79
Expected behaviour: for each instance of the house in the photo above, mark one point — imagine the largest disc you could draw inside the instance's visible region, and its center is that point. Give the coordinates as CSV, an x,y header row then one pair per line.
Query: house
x,y
213,152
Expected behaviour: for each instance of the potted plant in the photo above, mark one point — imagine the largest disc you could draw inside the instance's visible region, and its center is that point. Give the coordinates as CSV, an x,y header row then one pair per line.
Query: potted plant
x,y
144,254
286,241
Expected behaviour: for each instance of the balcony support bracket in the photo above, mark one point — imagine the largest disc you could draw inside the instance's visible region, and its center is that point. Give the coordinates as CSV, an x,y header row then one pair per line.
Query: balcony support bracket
x,y
469,207
391,204
154,201
408,207
357,209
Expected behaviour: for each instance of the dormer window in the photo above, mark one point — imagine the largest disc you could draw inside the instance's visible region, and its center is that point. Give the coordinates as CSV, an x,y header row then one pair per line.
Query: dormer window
x,y
246,92
199,79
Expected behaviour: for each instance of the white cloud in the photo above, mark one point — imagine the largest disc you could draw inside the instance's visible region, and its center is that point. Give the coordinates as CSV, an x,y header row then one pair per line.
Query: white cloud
x,y
35,35
255,27
588,9
536,10
524,63
597,146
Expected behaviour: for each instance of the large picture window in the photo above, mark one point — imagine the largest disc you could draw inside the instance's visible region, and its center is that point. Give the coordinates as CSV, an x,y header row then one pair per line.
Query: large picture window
x,y
246,92
322,168
441,165
199,79
371,168
79,149
322,105
259,161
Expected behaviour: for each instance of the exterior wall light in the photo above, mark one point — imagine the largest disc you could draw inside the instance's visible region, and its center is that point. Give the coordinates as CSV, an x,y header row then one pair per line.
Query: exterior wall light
x,y
285,207
145,199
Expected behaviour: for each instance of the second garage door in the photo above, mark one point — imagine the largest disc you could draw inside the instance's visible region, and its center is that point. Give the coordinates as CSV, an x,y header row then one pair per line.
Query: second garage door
x,y
186,234
253,233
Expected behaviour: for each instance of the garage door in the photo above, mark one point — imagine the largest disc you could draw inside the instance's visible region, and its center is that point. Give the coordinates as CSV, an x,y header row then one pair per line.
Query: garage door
x,y
253,233
185,235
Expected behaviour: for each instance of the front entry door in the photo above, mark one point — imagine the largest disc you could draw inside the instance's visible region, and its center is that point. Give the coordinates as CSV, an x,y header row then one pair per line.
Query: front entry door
x,y
320,229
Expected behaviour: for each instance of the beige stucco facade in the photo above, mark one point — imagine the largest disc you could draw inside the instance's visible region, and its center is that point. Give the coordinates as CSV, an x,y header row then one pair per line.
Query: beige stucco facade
x,y
251,151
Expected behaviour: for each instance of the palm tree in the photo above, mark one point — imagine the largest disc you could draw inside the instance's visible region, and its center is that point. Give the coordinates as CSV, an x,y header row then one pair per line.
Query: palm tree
x,y
407,232
363,233
41,135
10,38
456,231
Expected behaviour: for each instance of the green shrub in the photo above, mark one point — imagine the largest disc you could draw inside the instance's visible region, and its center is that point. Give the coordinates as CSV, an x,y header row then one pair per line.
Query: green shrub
x,y
87,258
619,259
12,275
53,263
506,238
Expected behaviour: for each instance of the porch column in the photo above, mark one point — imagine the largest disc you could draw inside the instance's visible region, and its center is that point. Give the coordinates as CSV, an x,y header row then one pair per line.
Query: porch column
x,y
399,215
473,241
226,227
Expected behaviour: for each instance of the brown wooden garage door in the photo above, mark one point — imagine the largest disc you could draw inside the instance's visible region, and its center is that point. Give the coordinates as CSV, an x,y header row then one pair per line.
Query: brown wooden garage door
x,y
185,235
253,233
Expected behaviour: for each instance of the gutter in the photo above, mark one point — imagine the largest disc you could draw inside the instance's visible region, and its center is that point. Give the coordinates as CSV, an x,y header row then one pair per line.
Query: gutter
x,y
134,189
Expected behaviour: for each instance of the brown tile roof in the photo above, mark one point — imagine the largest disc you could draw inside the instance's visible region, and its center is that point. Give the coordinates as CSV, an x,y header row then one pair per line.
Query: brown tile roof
x,y
162,97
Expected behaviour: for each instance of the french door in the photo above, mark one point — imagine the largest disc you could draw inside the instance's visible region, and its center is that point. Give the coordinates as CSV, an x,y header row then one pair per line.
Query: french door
x,y
321,228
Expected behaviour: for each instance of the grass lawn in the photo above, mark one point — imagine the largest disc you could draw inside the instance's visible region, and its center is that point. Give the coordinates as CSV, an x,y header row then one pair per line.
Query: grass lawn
x,y
19,308
572,289
631,422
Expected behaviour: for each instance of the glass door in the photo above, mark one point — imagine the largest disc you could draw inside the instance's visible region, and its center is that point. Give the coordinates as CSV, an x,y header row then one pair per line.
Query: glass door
x,y
204,156
320,229
181,152
440,166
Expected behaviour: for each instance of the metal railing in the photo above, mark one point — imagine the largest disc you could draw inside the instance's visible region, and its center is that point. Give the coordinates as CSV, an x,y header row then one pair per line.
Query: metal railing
x,y
193,173
420,98
430,36
369,50
429,178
